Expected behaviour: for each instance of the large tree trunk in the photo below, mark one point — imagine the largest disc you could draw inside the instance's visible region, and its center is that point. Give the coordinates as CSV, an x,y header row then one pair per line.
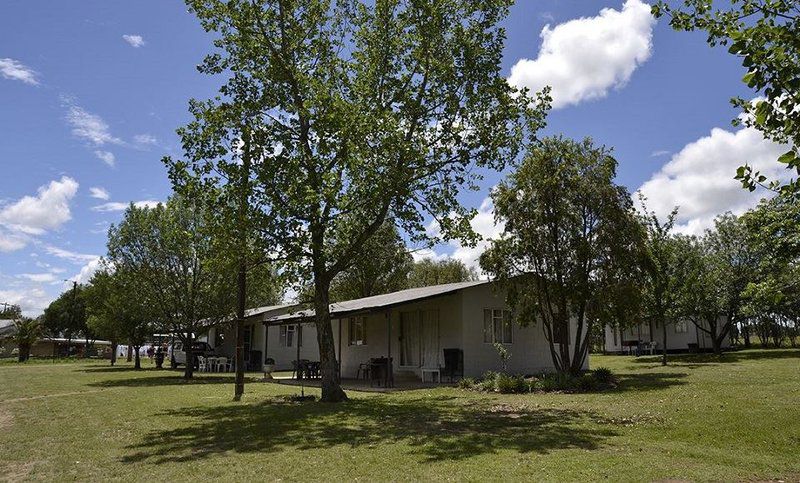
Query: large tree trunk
x,y
137,359
130,354
240,308
331,382
113,353
664,348
188,370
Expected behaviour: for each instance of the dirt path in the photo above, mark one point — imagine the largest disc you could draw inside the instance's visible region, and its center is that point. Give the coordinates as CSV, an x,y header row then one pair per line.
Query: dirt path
x,y
44,396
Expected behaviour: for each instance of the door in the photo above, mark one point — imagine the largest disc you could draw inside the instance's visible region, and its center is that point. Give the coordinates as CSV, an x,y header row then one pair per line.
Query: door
x,y
430,338
409,339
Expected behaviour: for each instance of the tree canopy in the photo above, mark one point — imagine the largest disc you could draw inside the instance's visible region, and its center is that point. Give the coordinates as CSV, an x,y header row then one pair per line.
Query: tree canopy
x,y
357,111
571,248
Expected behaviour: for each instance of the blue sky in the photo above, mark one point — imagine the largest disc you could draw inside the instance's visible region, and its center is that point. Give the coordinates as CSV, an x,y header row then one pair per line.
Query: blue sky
x,y
91,93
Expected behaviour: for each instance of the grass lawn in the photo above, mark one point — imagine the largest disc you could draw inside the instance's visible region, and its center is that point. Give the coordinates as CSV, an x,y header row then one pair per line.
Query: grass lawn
x,y
701,418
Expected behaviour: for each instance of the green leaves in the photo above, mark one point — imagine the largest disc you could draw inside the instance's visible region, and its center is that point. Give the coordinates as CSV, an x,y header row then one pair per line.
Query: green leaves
x,y
572,246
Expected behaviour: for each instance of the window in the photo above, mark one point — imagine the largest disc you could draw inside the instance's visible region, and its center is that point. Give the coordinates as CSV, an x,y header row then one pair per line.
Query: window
x,y
286,337
248,339
561,332
681,327
357,331
497,326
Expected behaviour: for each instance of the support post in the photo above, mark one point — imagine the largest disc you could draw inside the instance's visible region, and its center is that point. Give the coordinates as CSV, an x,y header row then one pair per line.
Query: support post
x,y
389,364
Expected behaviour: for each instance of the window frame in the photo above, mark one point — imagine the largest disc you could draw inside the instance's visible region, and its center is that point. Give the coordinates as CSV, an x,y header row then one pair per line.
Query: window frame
x,y
286,335
357,331
499,321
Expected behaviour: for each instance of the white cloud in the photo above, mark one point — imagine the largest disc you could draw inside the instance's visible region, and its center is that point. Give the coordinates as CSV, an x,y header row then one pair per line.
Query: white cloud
x,y
32,300
69,255
39,277
16,70
659,153
10,242
107,157
584,58
88,126
47,210
699,178
135,41
145,139
483,224
120,206
87,271
99,193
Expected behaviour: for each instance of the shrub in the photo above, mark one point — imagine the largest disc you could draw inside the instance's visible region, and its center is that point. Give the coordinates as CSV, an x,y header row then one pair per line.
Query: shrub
x,y
466,383
586,383
604,376
508,384
487,382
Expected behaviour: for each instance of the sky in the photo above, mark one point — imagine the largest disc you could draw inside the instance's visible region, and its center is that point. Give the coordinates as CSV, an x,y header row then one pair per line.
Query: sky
x,y
91,93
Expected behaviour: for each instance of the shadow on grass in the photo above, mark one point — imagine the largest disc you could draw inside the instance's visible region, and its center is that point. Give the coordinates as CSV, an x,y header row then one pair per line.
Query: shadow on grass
x,y
651,381
708,358
436,429
168,379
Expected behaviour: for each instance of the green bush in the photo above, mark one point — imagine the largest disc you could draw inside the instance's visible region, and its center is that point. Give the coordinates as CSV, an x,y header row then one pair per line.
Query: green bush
x,y
466,383
587,383
508,384
604,376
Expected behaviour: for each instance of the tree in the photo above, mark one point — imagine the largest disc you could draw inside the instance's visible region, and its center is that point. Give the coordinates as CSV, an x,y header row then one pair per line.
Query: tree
x,y
381,266
763,33
427,272
66,316
171,263
27,332
360,111
571,247
722,263
118,312
10,311
774,291
666,271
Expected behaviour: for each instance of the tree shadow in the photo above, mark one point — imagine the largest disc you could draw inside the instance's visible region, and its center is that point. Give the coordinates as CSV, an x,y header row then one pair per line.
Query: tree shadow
x,y
174,379
709,358
650,381
437,429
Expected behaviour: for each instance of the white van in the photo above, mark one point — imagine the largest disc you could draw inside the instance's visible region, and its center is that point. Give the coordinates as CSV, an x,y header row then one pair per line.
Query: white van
x,y
177,356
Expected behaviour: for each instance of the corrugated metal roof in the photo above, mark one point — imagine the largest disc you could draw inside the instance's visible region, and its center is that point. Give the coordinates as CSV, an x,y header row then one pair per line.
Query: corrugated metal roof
x,y
377,302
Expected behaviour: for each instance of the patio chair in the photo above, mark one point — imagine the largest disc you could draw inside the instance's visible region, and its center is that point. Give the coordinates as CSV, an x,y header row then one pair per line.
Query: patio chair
x,y
224,364
453,363
202,364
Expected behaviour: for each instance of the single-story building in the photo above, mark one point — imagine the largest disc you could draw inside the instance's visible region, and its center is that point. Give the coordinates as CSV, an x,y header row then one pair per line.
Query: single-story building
x,y
411,327
48,346
682,336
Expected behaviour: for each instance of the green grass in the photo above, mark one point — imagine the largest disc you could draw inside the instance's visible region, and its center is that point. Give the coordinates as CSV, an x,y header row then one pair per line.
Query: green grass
x,y
701,418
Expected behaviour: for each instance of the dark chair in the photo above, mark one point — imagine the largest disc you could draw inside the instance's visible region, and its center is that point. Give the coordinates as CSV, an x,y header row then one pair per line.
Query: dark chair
x,y
254,361
379,371
453,363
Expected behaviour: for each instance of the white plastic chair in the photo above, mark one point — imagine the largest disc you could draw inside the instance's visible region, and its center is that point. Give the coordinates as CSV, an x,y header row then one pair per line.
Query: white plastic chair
x,y
202,364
